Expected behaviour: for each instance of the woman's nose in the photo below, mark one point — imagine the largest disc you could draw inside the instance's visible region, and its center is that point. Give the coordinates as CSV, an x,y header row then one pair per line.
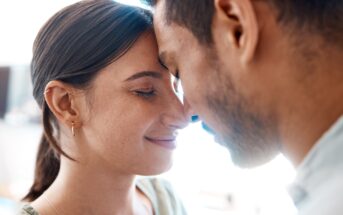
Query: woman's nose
x,y
175,116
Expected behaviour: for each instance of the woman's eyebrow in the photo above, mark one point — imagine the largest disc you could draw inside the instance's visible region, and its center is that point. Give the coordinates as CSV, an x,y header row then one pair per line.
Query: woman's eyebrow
x,y
143,74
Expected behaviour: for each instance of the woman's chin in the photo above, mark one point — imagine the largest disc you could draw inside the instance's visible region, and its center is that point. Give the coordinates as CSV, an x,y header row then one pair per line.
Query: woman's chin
x,y
156,169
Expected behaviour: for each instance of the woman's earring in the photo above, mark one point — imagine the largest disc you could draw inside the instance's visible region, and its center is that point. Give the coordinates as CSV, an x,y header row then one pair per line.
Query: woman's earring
x,y
72,129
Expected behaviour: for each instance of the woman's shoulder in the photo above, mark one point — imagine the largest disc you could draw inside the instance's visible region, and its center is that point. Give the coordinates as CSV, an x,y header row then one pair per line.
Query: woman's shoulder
x,y
162,195
155,185
27,210
159,191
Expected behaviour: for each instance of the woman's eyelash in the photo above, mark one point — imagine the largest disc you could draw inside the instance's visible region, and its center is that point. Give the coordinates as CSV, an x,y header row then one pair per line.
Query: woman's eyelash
x,y
146,93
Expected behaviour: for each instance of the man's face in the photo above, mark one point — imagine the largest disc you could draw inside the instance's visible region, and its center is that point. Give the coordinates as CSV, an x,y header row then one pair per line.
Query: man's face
x,y
219,92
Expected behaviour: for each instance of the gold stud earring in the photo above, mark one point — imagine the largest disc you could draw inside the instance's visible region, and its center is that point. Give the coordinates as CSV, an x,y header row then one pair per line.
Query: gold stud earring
x,y
72,129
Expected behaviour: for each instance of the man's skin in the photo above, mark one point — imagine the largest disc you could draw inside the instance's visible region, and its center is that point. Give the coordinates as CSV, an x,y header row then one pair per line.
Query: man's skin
x,y
263,87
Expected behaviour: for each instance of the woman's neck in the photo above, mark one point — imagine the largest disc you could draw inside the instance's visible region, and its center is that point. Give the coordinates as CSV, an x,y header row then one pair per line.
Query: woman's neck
x,y
83,189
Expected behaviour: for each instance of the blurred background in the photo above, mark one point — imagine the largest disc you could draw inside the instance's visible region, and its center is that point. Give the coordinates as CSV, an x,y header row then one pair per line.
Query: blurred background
x,y
203,174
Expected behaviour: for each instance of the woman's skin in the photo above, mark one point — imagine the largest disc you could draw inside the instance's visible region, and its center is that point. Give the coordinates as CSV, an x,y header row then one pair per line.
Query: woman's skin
x,y
125,125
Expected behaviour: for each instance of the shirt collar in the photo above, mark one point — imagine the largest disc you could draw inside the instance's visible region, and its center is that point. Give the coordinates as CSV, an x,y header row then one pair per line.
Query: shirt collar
x,y
323,158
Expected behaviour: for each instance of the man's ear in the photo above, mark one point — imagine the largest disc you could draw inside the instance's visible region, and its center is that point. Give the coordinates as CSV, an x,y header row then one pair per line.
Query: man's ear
x,y
61,101
238,24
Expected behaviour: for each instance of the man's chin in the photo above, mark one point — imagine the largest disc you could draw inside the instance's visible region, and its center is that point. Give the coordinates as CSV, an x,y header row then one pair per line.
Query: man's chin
x,y
218,139
246,158
251,159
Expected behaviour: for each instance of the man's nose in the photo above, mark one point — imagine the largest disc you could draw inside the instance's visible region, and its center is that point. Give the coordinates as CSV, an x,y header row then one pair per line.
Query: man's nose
x,y
191,115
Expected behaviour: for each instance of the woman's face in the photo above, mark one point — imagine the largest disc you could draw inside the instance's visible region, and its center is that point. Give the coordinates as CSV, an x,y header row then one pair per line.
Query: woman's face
x,y
133,113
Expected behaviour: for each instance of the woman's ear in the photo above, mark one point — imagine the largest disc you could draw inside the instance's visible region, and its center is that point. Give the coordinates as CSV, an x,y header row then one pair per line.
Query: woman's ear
x,y
237,22
60,98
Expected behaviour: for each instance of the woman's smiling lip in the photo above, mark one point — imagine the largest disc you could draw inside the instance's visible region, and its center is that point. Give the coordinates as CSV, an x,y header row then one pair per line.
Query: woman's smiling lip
x,y
166,142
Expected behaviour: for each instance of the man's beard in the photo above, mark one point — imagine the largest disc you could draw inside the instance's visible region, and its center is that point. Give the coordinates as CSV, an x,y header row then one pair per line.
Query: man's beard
x,y
251,137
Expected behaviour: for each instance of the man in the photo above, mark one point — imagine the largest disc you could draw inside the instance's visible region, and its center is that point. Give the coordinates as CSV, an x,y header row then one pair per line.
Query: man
x,y
267,76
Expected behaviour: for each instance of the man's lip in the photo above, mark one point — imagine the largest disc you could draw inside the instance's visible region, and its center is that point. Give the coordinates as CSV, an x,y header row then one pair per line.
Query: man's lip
x,y
166,142
207,128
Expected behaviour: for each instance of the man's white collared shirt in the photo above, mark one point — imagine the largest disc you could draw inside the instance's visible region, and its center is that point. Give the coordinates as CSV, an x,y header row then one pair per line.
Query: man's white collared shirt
x,y
318,187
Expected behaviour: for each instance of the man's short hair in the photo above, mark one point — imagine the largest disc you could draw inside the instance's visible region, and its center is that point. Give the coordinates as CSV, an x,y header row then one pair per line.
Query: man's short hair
x,y
322,17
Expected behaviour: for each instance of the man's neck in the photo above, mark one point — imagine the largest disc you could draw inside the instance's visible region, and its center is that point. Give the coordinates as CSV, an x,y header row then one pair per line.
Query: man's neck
x,y
313,106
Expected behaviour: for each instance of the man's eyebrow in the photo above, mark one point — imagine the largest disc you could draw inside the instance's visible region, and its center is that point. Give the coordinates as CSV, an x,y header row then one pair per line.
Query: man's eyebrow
x,y
143,74
162,58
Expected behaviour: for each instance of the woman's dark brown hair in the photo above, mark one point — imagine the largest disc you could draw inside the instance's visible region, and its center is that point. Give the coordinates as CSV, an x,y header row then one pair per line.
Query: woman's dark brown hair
x,y
72,47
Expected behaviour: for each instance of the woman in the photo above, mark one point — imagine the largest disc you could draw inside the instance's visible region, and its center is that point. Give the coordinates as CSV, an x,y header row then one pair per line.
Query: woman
x,y
109,112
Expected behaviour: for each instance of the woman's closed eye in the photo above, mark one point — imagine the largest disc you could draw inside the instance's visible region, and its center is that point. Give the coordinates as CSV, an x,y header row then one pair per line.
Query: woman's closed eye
x,y
146,92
